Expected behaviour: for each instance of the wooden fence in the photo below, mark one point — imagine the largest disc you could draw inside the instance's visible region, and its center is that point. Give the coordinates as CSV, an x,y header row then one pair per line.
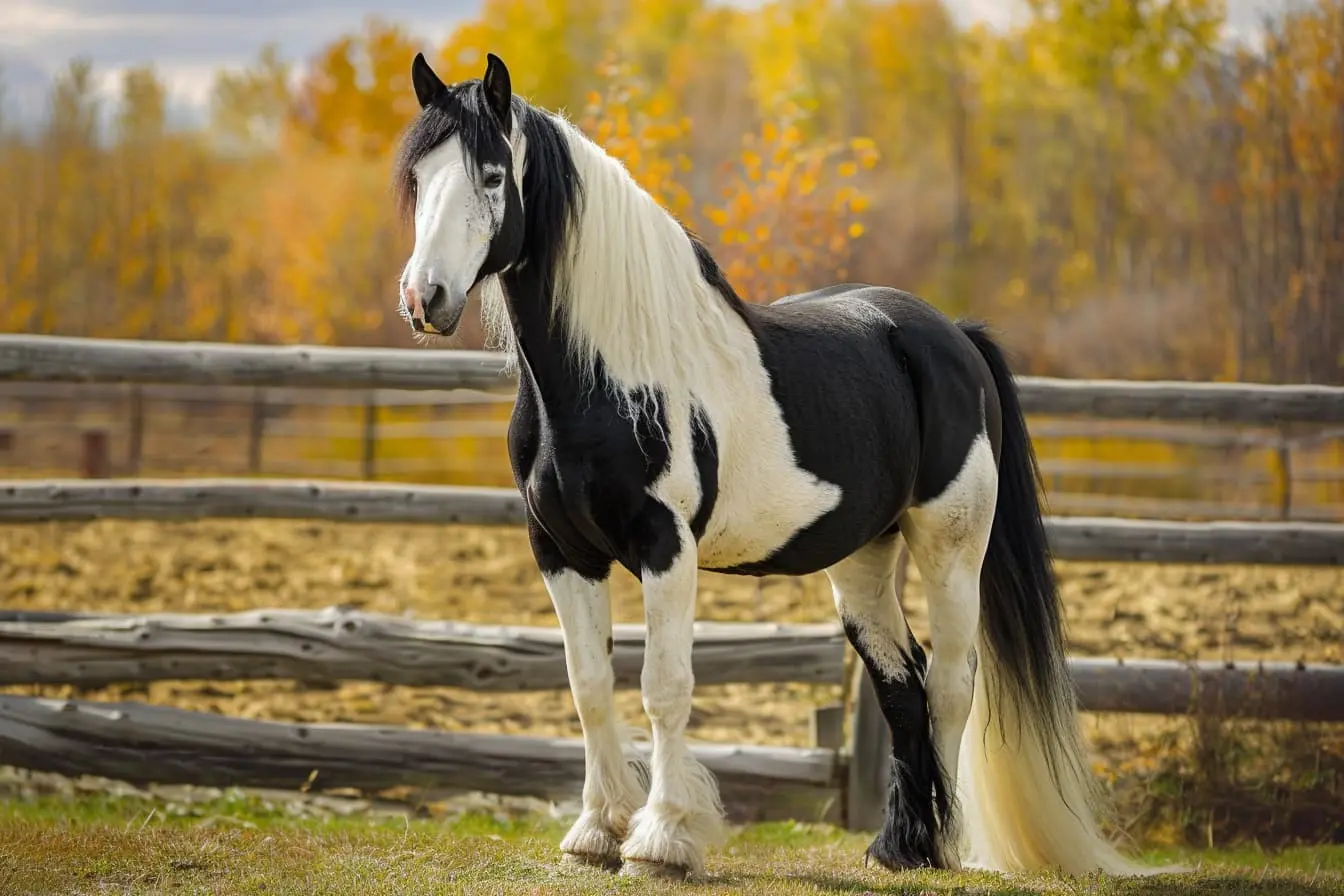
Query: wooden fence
x,y
1267,460
833,780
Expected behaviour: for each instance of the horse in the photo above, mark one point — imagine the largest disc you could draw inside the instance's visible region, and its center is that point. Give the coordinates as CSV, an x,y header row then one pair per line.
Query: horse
x,y
665,424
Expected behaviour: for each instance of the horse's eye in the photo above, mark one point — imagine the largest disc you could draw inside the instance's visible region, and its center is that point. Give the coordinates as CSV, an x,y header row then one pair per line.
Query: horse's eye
x,y
493,179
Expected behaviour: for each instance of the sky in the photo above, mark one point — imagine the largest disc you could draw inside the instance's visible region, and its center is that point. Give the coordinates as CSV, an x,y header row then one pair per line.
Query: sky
x,y
188,40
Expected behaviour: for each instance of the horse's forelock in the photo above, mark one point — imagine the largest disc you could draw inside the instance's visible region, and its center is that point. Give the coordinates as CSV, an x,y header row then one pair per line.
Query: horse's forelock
x,y
461,111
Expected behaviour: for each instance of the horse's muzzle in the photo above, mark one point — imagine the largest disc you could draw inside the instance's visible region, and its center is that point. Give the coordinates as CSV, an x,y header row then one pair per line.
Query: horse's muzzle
x,y
440,312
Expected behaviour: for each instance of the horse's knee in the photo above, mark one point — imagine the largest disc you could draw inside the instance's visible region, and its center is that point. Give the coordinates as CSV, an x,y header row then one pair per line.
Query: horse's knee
x,y
667,694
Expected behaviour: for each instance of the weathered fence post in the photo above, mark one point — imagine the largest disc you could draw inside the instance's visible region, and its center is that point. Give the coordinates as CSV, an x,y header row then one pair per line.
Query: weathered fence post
x,y
135,441
94,462
1284,454
370,435
256,430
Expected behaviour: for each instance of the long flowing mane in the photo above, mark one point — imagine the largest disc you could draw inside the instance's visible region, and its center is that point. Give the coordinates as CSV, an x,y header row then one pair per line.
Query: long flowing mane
x,y
630,288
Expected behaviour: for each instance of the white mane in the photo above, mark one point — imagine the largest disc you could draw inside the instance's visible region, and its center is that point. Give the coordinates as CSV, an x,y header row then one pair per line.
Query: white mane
x,y
628,288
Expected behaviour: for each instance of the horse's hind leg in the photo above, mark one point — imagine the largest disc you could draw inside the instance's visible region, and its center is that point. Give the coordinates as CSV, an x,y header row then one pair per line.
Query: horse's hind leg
x,y
948,537
865,597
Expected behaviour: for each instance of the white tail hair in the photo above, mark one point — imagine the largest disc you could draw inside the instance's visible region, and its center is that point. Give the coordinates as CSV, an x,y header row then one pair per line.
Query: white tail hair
x,y
1015,814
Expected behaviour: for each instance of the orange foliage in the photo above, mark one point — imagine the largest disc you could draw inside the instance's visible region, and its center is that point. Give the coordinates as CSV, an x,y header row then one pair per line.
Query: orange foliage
x,y
791,210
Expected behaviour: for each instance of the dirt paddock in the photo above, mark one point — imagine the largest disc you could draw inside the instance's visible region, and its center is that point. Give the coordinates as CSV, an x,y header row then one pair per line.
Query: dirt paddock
x,y
487,575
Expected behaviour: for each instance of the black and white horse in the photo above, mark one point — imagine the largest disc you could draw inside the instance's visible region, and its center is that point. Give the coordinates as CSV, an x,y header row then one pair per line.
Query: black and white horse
x,y
664,424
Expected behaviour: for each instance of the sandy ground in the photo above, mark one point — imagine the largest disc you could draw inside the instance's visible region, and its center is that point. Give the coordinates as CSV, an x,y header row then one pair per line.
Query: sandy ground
x,y
487,575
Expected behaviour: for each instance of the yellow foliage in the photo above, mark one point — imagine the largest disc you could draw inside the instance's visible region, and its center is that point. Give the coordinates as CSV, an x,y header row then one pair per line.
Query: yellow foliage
x,y
1042,169
626,122
790,229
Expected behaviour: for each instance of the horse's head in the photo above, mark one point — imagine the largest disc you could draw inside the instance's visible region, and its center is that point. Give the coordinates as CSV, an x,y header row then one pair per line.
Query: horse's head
x,y
458,173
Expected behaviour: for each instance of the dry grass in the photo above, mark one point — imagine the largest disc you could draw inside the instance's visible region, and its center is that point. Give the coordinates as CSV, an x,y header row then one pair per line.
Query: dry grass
x,y
241,846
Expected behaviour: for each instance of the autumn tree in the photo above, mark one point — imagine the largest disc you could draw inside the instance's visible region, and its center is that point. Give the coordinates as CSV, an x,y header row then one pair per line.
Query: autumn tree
x,y
1115,190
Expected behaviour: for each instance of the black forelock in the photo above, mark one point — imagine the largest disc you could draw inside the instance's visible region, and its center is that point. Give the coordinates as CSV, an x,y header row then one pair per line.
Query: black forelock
x,y
552,193
462,111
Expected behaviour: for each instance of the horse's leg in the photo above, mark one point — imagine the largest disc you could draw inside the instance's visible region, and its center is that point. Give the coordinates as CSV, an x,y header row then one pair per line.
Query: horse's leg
x,y
611,788
865,597
948,537
668,835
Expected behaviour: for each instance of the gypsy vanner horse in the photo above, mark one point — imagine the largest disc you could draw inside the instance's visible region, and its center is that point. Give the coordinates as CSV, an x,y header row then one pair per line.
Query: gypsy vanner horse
x,y
664,424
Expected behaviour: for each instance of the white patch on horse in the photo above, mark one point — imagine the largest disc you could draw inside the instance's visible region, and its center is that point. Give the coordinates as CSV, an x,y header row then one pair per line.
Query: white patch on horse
x,y
633,294
682,813
863,311
611,790
454,221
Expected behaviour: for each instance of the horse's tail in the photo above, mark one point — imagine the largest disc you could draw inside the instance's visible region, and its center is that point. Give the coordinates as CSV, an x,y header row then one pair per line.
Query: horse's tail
x,y
1028,795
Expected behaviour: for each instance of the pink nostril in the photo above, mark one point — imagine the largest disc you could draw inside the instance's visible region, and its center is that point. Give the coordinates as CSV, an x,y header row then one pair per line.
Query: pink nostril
x,y
413,303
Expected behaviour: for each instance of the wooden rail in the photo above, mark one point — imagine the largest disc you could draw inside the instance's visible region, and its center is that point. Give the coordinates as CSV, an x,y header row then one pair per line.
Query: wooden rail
x,y
38,500
337,644
73,359
1071,538
146,744
1298,692
67,359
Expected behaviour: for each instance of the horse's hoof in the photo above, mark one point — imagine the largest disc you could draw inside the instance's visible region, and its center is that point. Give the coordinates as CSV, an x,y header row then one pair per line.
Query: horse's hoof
x,y
605,863
654,870
893,860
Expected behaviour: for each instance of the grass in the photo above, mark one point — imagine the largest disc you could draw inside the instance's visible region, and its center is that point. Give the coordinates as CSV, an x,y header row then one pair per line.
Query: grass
x,y
241,845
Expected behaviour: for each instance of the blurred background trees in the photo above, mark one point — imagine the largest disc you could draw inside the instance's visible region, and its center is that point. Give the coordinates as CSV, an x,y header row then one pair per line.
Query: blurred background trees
x,y
1111,186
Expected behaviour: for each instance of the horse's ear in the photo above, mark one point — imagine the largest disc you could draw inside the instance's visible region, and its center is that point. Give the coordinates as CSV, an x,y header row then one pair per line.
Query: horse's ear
x,y
428,87
498,90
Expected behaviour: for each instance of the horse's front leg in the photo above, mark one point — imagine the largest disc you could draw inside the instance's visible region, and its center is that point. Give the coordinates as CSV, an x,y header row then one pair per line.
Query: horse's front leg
x,y
668,835
611,787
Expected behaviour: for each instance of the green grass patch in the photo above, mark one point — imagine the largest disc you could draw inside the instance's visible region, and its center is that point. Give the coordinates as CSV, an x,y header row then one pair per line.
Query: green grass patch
x,y
241,845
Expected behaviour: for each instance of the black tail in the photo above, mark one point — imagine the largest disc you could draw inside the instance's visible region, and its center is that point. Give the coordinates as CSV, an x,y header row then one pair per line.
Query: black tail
x,y
1020,609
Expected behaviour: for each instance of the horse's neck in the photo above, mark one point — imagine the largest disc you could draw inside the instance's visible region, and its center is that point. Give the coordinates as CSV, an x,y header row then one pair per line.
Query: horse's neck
x,y
533,340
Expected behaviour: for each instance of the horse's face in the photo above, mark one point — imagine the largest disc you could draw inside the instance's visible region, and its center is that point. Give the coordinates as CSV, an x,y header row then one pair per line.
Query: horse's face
x,y
457,171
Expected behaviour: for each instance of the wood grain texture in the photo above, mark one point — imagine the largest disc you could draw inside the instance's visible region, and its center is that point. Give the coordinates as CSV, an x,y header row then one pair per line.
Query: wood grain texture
x,y
195,499
146,744
1246,403
338,644
92,650
58,358
1267,690
1101,539
1111,540
73,359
